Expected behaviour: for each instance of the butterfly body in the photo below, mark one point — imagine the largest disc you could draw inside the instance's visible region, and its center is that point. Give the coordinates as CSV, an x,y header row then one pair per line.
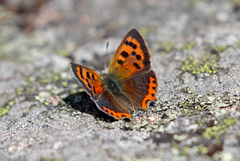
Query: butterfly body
x,y
130,82
111,84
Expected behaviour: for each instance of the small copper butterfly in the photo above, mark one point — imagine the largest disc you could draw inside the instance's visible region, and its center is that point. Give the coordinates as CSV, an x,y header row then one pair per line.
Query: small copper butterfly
x,y
130,82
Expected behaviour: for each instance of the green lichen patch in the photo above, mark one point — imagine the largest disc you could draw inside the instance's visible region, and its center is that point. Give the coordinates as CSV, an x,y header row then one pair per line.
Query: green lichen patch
x,y
166,47
64,84
203,149
2,56
49,78
214,132
29,80
64,53
216,105
185,150
4,110
51,159
193,2
20,91
188,46
236,44
208,65
147,126
146,29
73,91
218,48
189,103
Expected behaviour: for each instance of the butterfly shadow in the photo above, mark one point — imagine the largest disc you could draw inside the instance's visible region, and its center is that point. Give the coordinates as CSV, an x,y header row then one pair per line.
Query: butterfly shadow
x,y
82,102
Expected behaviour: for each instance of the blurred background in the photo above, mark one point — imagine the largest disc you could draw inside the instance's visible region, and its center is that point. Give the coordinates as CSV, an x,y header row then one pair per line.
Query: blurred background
x,y
195,53
68,24
46,35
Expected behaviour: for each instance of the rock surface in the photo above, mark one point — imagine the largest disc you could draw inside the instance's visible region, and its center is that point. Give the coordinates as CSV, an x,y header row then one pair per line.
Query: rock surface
x,y
45,114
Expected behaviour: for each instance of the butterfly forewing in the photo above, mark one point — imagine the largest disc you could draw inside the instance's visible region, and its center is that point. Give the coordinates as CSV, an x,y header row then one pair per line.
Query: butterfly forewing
x,y
131,57
90,80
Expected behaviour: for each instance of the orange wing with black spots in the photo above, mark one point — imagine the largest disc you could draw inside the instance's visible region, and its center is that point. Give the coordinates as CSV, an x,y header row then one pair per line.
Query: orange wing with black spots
x,y
132,57
89,79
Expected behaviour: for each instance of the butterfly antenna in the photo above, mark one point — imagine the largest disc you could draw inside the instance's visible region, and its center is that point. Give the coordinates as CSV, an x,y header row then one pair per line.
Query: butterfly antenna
x,y
105,65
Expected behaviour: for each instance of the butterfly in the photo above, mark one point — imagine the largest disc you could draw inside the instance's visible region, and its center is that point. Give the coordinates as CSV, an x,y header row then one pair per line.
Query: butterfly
x,y
130,82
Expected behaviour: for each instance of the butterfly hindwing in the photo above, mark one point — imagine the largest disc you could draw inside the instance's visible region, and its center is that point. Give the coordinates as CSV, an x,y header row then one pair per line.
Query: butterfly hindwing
x,y
140,89
90,80
107,103
131,57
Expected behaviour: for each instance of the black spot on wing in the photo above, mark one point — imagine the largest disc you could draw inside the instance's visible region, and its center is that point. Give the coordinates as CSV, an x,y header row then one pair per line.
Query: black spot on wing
x,y
93,77
124,54
89,86
88,75
134,46
120,62
130,44
138,57
136,65
81,73
133,53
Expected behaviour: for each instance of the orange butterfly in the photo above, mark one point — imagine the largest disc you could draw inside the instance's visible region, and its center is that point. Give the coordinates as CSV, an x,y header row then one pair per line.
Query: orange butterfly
x,y
130,82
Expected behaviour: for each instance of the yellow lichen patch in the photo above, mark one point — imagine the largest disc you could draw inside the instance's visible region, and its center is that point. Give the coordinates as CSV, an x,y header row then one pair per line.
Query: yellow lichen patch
x,y
4,110
218,48
166,46
207,66
188,46
214,132
202,149
146,29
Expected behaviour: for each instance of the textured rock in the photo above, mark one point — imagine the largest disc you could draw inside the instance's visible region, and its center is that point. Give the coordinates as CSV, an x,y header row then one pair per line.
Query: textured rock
x,y
45,114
